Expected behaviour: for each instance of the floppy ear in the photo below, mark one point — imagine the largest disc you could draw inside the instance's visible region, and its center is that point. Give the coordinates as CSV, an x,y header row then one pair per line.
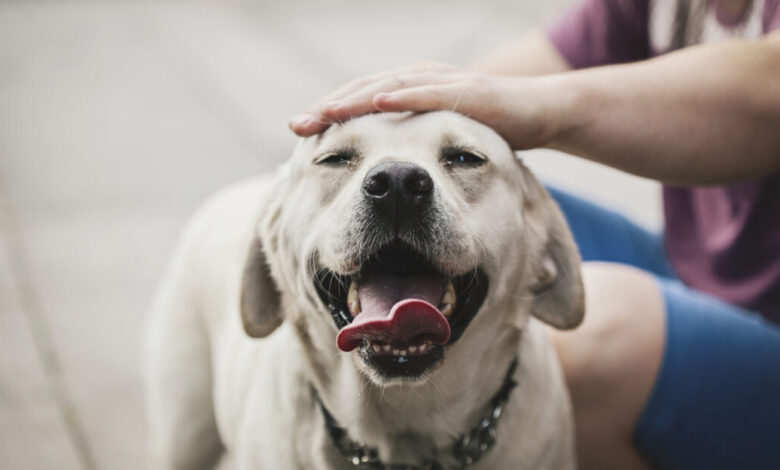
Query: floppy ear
x,y
261,311
556,283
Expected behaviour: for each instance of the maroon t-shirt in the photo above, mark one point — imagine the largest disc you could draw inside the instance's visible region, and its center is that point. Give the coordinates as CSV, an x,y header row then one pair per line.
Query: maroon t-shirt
x,y
724,240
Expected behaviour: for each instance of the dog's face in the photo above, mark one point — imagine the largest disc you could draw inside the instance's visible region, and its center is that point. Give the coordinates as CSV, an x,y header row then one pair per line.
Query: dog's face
x,y
395,237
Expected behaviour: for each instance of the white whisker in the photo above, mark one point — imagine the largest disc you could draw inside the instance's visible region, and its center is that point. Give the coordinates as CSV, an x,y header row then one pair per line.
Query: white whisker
x,y
457,101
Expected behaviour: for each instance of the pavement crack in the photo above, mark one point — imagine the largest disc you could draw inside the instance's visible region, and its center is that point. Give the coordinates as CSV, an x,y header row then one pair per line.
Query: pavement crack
x,y
21,276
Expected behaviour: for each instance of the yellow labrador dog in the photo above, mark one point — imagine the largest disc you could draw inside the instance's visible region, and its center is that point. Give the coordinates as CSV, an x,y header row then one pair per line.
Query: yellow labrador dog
x,y
371,305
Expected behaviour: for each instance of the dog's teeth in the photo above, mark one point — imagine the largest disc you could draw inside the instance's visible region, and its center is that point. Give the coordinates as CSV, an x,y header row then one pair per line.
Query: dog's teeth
x,y
448,300
449,294
423,348
412,349
377,348
403,352
396,352
446,309
386,348
353,301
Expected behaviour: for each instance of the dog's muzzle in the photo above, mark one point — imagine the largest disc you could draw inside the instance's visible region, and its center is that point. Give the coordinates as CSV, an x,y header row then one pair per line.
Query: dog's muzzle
x,y
398,309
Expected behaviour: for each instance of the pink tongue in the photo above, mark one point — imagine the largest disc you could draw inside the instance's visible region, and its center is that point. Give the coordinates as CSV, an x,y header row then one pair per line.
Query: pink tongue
x,y
397,310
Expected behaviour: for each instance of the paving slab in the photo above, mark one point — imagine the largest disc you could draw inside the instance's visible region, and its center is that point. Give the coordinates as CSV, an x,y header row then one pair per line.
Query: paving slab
x,y
357,38
108,144
33,434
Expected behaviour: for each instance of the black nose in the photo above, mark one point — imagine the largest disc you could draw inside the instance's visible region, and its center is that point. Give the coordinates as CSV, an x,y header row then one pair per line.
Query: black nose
x,y
398,190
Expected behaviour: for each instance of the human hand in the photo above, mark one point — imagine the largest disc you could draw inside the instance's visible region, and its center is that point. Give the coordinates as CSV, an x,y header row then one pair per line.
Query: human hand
x,y
518,108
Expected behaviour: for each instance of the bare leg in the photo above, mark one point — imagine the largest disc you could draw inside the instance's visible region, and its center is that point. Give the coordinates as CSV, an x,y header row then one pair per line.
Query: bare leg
x,y
611,362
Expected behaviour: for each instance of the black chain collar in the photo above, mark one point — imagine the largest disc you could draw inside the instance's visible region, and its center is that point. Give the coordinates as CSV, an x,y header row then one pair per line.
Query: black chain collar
x,y
467,449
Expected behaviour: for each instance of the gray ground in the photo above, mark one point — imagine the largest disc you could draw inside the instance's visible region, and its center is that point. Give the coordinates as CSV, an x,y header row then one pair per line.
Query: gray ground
x,y
116,119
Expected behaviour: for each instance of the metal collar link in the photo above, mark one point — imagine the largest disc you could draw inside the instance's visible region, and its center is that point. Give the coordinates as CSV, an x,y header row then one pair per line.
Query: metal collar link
x,y
467,449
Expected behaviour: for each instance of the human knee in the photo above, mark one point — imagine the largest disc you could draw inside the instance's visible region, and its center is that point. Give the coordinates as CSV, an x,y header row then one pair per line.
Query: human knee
x,y
622,333
611,361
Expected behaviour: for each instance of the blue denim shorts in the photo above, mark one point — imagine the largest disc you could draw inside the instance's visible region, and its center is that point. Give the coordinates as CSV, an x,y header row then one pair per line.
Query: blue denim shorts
x,y
716,400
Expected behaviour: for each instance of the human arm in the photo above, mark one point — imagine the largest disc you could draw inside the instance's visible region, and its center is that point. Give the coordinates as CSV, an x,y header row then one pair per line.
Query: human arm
x,y
705,114
532,54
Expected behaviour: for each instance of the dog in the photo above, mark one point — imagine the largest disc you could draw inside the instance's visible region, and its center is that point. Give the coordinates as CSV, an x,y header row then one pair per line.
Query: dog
x,y
375,303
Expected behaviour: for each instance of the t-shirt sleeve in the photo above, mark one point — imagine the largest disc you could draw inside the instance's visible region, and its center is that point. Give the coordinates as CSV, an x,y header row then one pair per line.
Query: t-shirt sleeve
x,y
771,16
602,32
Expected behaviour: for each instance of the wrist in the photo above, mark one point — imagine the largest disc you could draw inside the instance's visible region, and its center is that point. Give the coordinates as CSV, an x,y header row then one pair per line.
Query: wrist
x,y
565,108
539,111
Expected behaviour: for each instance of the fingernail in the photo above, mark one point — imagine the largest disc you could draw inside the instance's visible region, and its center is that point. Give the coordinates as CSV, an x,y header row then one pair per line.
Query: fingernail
x,y
301,119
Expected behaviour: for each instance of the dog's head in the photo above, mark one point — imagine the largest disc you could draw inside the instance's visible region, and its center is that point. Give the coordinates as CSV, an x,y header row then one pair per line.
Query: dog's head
x,y
396,237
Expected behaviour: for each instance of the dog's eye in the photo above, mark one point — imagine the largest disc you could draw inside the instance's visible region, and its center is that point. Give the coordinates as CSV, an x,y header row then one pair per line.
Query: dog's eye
x,y
338,158
461,157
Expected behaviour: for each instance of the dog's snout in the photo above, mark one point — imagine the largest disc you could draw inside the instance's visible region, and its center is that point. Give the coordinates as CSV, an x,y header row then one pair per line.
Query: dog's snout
x,y
398,189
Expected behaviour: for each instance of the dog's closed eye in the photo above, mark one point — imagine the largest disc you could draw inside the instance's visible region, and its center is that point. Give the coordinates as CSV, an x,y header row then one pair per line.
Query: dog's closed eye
x,y
461,157
338,158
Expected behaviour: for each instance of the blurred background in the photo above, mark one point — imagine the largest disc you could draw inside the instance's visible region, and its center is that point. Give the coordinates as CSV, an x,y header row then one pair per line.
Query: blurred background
x,y
118,118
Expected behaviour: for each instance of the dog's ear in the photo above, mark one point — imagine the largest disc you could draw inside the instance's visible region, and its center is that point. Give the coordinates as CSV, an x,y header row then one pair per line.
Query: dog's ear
x,y
554,270
261,311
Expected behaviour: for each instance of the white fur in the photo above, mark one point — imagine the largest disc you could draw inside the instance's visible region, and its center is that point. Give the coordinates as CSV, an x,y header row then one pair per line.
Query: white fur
x,y
211,387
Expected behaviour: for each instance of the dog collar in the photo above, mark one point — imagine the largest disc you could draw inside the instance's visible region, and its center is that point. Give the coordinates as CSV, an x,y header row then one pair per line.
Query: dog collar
x,y
467,449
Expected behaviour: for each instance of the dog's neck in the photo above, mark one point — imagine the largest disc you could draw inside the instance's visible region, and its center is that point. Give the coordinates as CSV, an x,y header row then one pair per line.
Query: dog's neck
x,y
466,449
413,422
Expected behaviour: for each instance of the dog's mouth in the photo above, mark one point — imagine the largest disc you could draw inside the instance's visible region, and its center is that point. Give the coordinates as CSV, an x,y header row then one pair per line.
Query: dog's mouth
x,y
399,310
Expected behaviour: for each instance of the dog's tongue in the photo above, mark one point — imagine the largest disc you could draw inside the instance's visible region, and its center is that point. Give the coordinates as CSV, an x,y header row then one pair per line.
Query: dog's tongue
x,y
397,310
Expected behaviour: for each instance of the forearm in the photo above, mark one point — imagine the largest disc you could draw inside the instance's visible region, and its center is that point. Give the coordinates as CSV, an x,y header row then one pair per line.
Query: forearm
x,y
533,54
707,114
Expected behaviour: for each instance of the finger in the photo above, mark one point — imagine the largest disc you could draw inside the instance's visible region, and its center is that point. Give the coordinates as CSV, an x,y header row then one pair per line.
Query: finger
x,y
306,125
349,88
358,103
355,85
451,96
313,122
361,102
